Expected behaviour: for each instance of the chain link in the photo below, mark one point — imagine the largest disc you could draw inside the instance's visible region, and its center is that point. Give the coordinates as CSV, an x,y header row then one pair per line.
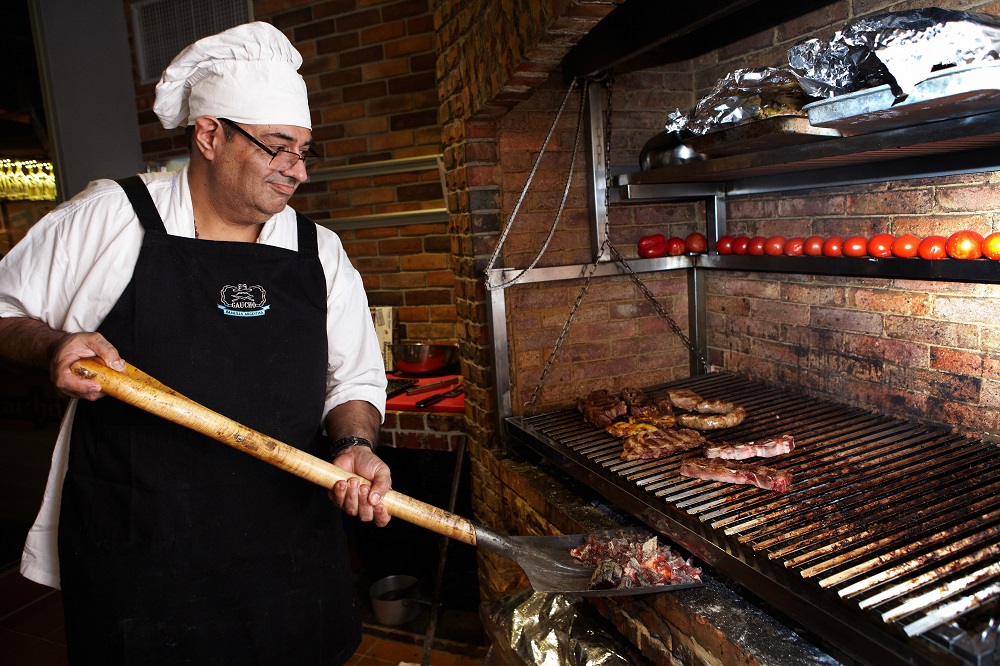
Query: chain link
x,y
608,82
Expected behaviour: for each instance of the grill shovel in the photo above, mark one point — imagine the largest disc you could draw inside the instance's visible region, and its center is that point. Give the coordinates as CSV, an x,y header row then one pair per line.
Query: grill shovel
x,y
545,560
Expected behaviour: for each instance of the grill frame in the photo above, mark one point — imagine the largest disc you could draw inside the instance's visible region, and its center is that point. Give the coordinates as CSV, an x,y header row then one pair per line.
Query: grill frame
x,y
664,502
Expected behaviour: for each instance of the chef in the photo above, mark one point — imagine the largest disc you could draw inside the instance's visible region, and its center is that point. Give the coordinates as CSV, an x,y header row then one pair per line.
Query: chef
x,y
170,547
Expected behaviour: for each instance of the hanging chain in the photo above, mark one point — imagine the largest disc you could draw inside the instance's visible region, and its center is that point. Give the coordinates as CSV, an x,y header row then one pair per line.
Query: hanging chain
x,y
656,305
569,179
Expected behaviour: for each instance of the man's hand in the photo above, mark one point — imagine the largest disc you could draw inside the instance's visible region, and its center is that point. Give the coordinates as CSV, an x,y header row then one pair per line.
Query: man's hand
x,y
360,499
33,343
71,349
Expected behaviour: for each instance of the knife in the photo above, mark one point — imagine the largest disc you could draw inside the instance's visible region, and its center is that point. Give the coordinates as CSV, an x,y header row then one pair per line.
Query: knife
x,y
438,397
430,387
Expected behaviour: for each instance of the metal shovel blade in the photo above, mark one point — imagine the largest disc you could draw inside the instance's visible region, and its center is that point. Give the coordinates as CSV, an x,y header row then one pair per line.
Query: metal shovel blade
x,y
547,562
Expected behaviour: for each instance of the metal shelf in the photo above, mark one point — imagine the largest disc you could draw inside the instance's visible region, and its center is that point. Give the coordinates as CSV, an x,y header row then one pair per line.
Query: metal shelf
x,y
953,270
950,146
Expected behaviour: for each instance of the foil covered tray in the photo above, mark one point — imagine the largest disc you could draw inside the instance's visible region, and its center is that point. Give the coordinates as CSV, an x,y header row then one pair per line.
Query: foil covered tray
x,y
950,93
756,135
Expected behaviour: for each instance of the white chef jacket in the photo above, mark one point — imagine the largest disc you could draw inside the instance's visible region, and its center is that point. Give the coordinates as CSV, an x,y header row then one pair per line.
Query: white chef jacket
x,y
74,264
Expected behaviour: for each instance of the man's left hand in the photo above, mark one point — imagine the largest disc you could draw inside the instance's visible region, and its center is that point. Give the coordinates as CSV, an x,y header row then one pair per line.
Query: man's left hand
x,y
360,499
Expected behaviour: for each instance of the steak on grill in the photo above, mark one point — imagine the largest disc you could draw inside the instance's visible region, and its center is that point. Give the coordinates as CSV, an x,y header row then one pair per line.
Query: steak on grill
x,y
714,407
765,448
600,408
753,474
712,421
684,398
660,443
641,404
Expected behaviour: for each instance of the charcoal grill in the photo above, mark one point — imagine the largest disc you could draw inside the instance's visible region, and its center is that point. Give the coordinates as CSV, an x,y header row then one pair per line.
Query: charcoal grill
x,y
887,543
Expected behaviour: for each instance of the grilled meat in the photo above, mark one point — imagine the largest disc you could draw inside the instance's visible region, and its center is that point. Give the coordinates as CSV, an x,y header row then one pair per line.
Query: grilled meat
x,y
660,443
712,421
765,448
633,559
630,426
600,408
684,398
714,407
643,405
753,474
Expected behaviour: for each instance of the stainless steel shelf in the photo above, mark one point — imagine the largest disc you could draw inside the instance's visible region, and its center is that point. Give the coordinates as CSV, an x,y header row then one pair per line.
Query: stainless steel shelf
x,y
953,270
956,145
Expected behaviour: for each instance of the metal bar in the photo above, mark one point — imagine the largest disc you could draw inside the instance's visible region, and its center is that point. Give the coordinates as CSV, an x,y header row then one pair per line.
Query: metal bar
x,y
597,184
379,168
497,322
401,218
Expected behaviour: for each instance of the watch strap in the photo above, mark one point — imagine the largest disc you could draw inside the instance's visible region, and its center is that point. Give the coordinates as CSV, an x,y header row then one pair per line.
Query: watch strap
x,y
345,443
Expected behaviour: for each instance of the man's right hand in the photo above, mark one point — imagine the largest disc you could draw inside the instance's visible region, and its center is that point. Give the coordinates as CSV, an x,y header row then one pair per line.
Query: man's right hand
x,y
33,343
71,349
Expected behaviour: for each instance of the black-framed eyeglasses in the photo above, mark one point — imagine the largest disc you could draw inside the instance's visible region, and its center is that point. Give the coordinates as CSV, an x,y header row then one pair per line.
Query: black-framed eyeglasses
x,y
282,159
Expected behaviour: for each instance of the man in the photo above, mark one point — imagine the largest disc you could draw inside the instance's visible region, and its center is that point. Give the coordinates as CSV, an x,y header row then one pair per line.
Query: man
x,y
173,548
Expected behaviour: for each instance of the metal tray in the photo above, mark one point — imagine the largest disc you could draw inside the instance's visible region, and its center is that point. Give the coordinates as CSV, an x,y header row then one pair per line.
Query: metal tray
x,y
567,541
774,132
950,93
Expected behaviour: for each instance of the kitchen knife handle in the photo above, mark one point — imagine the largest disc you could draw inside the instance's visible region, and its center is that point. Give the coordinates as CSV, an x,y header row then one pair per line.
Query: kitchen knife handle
x,y
427,402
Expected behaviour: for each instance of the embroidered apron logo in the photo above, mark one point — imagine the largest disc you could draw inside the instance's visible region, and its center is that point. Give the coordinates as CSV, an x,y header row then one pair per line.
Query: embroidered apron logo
x,y
243,301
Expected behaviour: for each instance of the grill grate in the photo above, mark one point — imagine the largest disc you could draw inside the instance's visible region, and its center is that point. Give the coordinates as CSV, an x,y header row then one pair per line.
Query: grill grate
x,y
891,527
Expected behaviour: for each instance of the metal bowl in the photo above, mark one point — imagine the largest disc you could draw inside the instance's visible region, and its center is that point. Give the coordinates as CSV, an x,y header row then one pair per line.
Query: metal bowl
x,y
424,358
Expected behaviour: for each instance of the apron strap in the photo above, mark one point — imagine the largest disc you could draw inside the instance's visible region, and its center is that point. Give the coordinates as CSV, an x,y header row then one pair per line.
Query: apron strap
x,y
307,235
145,209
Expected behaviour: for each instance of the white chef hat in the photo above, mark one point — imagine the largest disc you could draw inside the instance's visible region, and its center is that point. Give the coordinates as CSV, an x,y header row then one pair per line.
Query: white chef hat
x,y
248,74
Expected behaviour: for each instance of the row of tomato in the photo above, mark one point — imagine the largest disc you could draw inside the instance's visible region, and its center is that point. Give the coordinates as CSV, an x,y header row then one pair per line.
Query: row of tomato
x,y
960,245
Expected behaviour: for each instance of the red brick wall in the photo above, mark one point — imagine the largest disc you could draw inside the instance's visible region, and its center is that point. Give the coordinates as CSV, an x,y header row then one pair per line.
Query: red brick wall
x,y
369,68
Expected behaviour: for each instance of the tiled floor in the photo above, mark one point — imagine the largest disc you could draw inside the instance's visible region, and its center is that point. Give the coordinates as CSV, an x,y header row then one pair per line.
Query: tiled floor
x,y
31,633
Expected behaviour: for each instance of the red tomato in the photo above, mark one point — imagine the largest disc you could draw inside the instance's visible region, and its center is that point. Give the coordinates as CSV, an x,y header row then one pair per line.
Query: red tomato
x,y
832,246
695,243
932,247
756,246
675,246
774,246
964,245
905,246
991,246
855,246
813,246
724,245
740,245
880,245
794,246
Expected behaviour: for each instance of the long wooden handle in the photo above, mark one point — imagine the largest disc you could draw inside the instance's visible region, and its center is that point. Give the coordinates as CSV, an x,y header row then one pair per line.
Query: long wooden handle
x,y
140,390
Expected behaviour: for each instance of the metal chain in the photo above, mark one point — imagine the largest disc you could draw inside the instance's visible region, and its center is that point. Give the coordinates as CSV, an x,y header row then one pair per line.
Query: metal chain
x,y
569,179
656,304
562,335
608,83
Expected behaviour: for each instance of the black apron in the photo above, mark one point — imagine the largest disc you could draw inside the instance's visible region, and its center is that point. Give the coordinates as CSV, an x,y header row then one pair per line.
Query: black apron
x,y
175,548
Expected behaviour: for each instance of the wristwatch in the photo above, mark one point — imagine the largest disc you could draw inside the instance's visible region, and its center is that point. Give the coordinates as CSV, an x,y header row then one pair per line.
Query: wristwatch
x,y
345,443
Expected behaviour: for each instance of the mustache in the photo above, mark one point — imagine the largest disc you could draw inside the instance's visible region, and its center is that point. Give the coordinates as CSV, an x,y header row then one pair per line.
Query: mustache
x,y
283,180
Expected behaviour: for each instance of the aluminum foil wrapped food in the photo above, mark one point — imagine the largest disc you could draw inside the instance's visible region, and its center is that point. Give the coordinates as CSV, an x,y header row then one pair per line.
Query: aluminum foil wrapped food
x,y
742,96
896,48
547,628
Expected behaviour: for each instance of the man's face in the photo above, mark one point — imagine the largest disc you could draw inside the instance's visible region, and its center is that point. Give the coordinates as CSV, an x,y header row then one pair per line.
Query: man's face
x,y
254,185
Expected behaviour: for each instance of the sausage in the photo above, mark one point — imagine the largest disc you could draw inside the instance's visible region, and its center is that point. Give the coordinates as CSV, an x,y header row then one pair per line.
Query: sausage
x,y
714,407
712,421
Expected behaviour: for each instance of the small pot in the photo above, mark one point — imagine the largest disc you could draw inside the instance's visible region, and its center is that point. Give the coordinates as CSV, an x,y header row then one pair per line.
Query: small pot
x,y
424,358
392,600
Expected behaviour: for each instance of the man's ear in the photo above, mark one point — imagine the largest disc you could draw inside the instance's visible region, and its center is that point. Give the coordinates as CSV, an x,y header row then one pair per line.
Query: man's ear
x,y
208,135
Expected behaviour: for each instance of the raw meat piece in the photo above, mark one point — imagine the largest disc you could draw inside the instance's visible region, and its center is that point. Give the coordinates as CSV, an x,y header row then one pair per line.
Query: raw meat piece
x,y
660,443
684,398
753,474
765,448
600,408
712,421
633,559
